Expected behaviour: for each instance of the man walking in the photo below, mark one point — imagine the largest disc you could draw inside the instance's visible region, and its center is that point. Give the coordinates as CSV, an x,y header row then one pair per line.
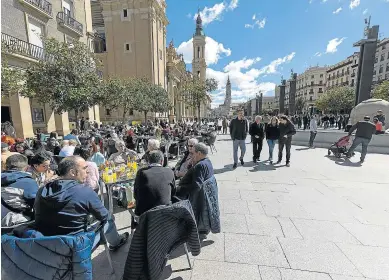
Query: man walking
x,y
225,124
365,130
312,131
257,134
238,132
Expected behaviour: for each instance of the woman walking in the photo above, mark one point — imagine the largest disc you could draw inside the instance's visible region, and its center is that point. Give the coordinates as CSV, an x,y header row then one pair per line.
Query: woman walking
x,y
272,135
287,130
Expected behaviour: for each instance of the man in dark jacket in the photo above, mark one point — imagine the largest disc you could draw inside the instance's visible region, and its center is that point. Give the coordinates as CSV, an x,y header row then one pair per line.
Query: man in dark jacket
x,y
257,134
62,206
238,132
18,191
154,185
365,130
287,130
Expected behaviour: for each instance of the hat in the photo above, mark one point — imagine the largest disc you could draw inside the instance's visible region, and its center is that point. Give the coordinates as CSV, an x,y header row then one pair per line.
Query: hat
x,y
4,145
366,118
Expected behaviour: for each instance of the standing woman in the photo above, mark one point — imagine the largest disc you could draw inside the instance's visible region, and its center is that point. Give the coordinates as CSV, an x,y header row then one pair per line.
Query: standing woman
x,y
287,130
272,135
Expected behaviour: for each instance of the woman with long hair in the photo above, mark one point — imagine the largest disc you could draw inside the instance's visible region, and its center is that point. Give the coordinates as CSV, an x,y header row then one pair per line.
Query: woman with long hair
x,y
287,130
272,135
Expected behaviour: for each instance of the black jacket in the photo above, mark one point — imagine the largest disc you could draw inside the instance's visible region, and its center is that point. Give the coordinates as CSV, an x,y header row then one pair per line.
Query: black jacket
x,y
257,130
154,186
365,129
238,129
62,207
287,129
272,132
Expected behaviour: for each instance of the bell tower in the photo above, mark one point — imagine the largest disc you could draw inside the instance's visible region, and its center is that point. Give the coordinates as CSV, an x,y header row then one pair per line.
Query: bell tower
x,y
198,63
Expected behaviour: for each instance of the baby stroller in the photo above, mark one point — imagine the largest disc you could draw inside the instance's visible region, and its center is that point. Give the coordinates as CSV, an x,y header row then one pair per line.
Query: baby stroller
x,y
339,148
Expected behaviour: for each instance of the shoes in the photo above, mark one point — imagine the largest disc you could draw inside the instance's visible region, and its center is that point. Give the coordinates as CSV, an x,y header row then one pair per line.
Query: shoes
x,y
242,162
124,238
235,166
278,162
362,161
288,164
255,160
271,162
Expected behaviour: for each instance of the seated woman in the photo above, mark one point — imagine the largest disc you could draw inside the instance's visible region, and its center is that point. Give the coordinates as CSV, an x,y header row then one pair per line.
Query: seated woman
x,y
40,168
68,148
97,157
153,145
23,149
185,163
53,144
121,156
191,187
92,178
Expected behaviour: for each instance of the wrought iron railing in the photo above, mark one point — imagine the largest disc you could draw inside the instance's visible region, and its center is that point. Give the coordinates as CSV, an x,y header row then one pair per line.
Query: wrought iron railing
x,y
12,44
70,22
42,5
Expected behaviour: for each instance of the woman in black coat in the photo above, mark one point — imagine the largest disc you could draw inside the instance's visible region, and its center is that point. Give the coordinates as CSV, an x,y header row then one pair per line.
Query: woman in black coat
x,y
287,130
272,135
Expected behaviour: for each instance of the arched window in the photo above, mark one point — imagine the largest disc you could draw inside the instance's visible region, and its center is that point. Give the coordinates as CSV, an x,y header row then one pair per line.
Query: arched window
x,y
198,52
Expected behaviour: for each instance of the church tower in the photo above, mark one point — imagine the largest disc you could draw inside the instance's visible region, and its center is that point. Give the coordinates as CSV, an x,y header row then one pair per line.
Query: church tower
x,y
198,64
227,100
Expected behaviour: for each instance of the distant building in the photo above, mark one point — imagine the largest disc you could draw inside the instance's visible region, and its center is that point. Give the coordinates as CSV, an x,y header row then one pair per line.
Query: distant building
x,y
381,65
343,73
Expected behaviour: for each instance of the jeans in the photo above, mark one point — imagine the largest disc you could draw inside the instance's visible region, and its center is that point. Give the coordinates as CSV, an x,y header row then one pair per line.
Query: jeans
x,y
242,145
287,143
271,144
257,148
111,234
357,141
312,138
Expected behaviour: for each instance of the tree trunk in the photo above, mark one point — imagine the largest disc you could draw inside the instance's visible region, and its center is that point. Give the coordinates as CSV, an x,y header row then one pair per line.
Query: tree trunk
x,y
77,122
145,112
124,115
198,111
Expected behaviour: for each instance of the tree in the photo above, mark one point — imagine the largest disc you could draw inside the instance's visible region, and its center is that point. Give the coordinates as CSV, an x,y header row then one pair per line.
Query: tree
x,y
119,93
197,92
12,79
336,99
66,78
381,91
300,104
149,97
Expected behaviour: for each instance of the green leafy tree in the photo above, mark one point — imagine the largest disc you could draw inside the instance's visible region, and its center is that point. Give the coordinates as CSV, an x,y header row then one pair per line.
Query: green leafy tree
x,y
336,99
12,79
197,92
66,79
381,91
300,104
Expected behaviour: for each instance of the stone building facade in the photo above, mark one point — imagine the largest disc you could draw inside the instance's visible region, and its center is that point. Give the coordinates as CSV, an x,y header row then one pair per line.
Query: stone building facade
x,y
343,73
24,23
381,65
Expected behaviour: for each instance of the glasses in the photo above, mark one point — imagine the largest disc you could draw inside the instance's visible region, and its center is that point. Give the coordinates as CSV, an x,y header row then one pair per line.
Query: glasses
x,y
190,146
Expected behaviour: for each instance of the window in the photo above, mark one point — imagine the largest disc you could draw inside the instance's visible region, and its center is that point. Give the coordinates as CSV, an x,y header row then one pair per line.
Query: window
x,y
379,78
376,59
320,90
198,74
108,112
382,57
35,32
383,47
67,6
321,82
160,54
387,66
321,75
312,83
310,98
127,47
125,13
381,69
352,82
198,52
313,76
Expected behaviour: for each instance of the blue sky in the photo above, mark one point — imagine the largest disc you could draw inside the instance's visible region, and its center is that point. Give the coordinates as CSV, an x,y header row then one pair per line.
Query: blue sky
x,y
257,41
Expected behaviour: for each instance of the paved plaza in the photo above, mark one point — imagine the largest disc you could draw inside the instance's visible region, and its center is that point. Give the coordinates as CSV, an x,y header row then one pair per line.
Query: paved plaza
x,y
320,219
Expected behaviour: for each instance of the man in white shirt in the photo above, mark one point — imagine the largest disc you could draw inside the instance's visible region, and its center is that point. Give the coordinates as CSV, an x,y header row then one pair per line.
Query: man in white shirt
x,y
312,130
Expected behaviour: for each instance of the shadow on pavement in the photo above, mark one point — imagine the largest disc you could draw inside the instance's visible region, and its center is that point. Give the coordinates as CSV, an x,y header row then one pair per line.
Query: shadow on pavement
x,y
263,167
226,168
343,161
222,140
303,149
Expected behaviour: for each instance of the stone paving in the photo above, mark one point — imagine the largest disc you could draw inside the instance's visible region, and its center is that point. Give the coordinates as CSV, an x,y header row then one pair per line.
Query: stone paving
x,y
320,219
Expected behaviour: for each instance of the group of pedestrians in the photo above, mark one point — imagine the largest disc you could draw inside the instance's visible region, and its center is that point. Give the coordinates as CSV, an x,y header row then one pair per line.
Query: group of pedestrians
x,y
280,130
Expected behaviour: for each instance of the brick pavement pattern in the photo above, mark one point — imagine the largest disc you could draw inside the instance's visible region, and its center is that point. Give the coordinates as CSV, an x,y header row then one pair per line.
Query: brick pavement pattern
x,y
320,219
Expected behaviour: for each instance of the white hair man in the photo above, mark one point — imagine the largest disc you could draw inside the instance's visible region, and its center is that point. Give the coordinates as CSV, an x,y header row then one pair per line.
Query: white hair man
x,y
257,133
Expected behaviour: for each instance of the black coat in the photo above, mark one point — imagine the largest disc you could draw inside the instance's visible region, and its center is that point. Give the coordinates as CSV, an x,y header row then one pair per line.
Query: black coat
x,y
154,186
238,129
272,132
257,130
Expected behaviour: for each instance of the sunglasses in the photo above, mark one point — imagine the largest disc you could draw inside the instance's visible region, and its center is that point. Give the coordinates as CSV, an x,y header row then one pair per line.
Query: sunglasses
x,y
191,146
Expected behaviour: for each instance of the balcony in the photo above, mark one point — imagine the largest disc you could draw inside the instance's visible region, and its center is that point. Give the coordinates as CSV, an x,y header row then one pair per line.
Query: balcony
x,y
70,23
41,6
12,45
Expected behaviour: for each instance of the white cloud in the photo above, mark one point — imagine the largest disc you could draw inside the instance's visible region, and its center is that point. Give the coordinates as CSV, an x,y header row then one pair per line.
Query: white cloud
x,y
366,10
337,11
318,54
245,79
213,51
189,15
333,44
215,12
323,1
256,22
233,4
354,4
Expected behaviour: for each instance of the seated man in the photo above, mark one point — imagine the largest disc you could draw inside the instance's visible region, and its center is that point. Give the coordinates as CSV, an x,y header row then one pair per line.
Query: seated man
x,y
154,185
73,135
62,206
121,156
5,153
18,191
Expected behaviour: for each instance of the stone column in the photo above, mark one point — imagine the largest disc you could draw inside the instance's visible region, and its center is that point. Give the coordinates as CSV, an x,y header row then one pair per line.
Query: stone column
x,y
49,119
62,123
282,97
21,116
96,110
292,95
